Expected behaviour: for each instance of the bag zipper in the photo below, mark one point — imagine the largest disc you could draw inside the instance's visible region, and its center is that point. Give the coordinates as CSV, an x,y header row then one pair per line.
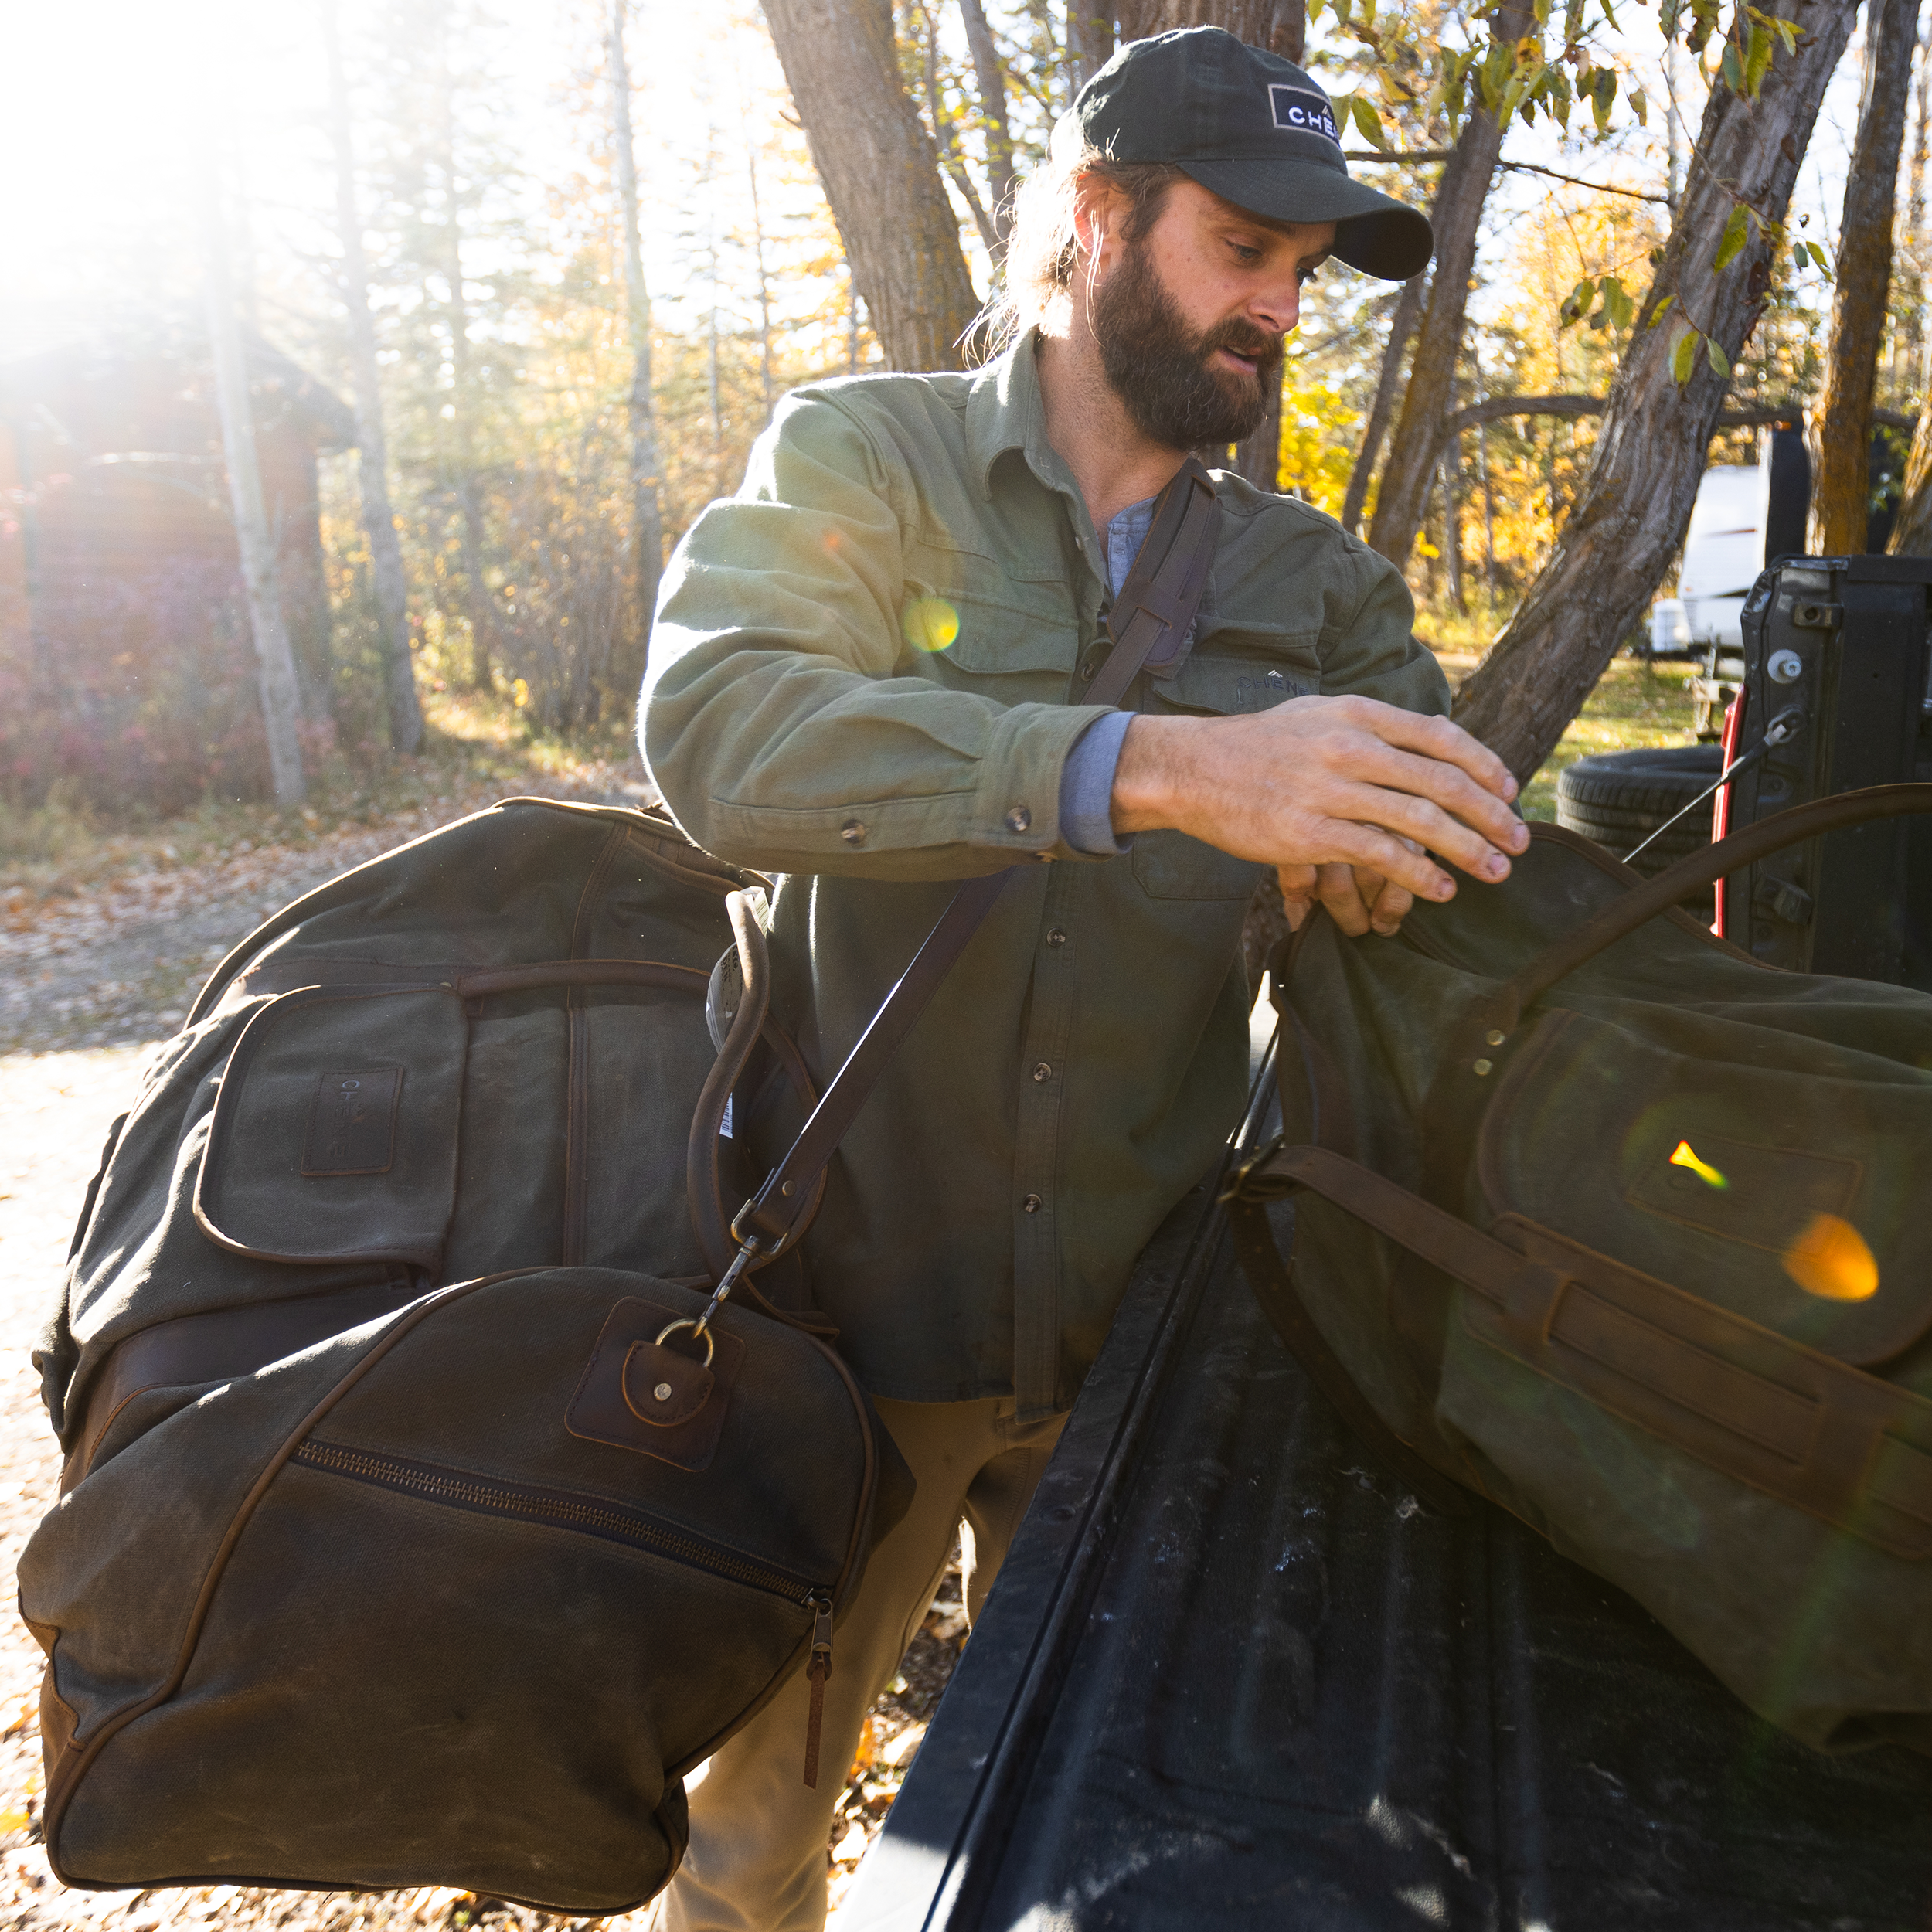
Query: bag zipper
x,y
563,1508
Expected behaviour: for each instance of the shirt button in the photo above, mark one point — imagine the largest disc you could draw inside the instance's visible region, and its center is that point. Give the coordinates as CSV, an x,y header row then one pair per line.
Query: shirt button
x,y
1042,1072
1031,1204
852,831
1056,937
1018,819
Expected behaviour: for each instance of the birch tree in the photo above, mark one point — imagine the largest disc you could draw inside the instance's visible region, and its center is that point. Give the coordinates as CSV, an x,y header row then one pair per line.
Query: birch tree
x,y
647,517
1710,289
1402,500
386,572
275,660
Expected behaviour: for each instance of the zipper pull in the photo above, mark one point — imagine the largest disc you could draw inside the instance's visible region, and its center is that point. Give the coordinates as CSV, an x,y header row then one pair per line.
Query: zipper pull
x,y
817,1671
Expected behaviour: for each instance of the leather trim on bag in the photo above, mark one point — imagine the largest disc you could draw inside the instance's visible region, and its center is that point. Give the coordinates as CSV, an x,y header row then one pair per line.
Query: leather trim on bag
x,y
599,1412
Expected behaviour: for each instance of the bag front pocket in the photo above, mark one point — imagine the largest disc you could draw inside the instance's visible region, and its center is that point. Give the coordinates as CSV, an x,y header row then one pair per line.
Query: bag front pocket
x,y
335,1135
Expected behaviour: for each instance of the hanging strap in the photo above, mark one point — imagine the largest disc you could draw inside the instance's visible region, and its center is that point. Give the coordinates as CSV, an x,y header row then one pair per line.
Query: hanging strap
x,y
1148,625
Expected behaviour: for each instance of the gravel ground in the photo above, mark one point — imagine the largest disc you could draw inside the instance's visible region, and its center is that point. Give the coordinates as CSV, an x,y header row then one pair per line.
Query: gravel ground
x,y
87,980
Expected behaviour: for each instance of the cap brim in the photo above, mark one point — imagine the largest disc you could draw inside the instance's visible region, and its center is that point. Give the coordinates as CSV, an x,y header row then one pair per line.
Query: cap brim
x,y
1373,232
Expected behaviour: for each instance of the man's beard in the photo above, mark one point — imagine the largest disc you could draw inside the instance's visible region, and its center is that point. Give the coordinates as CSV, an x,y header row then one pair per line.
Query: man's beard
x,y
1160,367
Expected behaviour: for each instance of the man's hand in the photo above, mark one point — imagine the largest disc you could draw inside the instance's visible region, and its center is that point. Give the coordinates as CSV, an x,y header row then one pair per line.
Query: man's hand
x,y
1349,797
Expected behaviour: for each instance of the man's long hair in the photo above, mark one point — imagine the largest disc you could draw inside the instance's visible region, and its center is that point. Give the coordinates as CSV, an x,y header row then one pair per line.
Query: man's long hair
x,y
1043,247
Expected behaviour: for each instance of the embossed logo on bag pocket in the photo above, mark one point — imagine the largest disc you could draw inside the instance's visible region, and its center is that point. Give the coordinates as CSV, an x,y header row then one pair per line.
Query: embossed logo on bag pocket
x,y
351,1122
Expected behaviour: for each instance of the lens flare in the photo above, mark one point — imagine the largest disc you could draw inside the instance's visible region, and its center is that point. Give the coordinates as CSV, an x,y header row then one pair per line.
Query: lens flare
x,y
930,624
1831,1260
1685,1156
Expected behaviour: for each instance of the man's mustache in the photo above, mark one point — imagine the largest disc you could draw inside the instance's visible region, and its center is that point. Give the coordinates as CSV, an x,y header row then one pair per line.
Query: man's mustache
x,y
1266,352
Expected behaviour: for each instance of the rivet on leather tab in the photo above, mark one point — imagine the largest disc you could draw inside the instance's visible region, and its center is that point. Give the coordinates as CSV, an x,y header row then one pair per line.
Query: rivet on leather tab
x,y
663,1387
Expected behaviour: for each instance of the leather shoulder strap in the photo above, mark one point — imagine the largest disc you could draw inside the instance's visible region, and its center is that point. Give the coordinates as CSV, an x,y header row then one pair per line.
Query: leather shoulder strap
x,y
1149,625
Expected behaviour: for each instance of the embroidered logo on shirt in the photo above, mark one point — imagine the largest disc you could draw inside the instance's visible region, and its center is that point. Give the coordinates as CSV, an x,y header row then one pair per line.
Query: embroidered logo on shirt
x,y
1303,111
1258,693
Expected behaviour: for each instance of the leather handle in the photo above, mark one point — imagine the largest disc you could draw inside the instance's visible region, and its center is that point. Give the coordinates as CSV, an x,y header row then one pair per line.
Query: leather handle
x,y
1156,606
704,1178
1706,868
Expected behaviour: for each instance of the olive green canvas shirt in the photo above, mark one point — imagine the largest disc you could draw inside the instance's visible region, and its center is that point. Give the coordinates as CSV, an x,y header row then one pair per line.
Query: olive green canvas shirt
x,y
1086,1057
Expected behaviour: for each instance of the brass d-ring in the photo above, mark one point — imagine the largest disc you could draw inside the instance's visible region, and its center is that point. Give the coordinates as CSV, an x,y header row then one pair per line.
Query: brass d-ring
x,y
696,1327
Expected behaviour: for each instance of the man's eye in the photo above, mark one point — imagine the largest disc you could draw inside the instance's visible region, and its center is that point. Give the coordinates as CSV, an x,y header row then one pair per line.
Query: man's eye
x,y
1245,255
1304,276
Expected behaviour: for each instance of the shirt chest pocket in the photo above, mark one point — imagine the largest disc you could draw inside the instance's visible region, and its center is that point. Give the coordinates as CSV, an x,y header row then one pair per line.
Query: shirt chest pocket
x,y
977,627
1211,683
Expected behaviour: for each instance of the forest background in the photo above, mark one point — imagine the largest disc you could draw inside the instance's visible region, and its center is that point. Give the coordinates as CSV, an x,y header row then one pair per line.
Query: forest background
x,y
490,215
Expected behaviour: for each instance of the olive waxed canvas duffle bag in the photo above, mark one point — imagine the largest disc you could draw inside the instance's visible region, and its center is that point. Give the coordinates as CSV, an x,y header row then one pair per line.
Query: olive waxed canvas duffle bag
x,y
447,1470
1631,1233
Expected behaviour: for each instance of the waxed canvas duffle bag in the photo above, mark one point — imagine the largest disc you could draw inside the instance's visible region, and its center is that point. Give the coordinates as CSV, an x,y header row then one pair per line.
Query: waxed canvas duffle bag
x,y
1614,1225
399,1544
448,1471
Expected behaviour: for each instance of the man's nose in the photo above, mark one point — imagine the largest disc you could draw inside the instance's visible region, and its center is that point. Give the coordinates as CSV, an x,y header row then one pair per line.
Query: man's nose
x,y
1278,307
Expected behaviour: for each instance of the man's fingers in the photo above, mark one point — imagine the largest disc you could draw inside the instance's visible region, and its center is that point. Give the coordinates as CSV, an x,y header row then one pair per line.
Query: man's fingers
x,y
1336,887
1391,907
1297,884
1398,860
1433,737
1447,787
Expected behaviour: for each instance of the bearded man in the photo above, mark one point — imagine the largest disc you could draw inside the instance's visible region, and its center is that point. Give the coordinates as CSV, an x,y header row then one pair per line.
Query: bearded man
x,y
866,676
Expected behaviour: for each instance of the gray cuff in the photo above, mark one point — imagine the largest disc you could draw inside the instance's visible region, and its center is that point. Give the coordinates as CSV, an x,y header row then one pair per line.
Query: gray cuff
x,y
1087,788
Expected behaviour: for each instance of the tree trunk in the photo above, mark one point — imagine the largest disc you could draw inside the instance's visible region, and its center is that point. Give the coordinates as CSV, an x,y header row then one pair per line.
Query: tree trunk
x,y
1912,529
1838,429
280,693
991,77
1401,327
1089,39
1636,501
880,174
1403,497
386,572
1259,458
1280,25
476,602
646,517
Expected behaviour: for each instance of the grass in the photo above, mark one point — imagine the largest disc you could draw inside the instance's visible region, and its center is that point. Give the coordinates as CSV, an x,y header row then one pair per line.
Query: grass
x,y
478,742
1636,705
472,742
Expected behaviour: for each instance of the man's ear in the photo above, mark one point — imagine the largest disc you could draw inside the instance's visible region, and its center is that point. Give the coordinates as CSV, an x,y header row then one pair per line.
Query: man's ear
x,y
1095,211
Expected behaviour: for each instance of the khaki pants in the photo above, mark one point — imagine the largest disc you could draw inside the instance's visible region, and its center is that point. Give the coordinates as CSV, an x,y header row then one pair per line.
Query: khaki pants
x,y
758,1860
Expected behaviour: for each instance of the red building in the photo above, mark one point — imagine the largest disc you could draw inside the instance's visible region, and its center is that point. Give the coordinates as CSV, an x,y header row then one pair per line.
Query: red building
x,y
122,632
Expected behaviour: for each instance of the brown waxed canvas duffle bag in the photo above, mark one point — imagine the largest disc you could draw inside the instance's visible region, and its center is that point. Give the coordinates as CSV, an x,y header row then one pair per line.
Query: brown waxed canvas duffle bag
x,y
398,1543
448,1471
1631,1233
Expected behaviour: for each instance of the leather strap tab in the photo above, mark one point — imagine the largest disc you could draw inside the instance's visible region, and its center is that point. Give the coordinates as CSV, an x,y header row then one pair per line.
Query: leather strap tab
x,y
1848,1448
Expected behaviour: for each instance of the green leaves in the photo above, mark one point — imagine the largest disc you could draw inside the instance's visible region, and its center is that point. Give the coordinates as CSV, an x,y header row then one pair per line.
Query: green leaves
x,y
1810,251
1683,355
1757,61
1368,121
1737,232
1618,311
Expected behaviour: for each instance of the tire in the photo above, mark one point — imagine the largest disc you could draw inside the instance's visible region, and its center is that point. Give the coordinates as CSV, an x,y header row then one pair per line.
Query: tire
x,y
1619,799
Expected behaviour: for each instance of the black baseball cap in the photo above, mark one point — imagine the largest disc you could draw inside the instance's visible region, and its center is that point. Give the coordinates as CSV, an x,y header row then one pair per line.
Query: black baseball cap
x,y
1255,130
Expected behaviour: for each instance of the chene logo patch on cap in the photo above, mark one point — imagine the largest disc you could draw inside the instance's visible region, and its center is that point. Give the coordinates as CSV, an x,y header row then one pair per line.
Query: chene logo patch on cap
x,y
1303,110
